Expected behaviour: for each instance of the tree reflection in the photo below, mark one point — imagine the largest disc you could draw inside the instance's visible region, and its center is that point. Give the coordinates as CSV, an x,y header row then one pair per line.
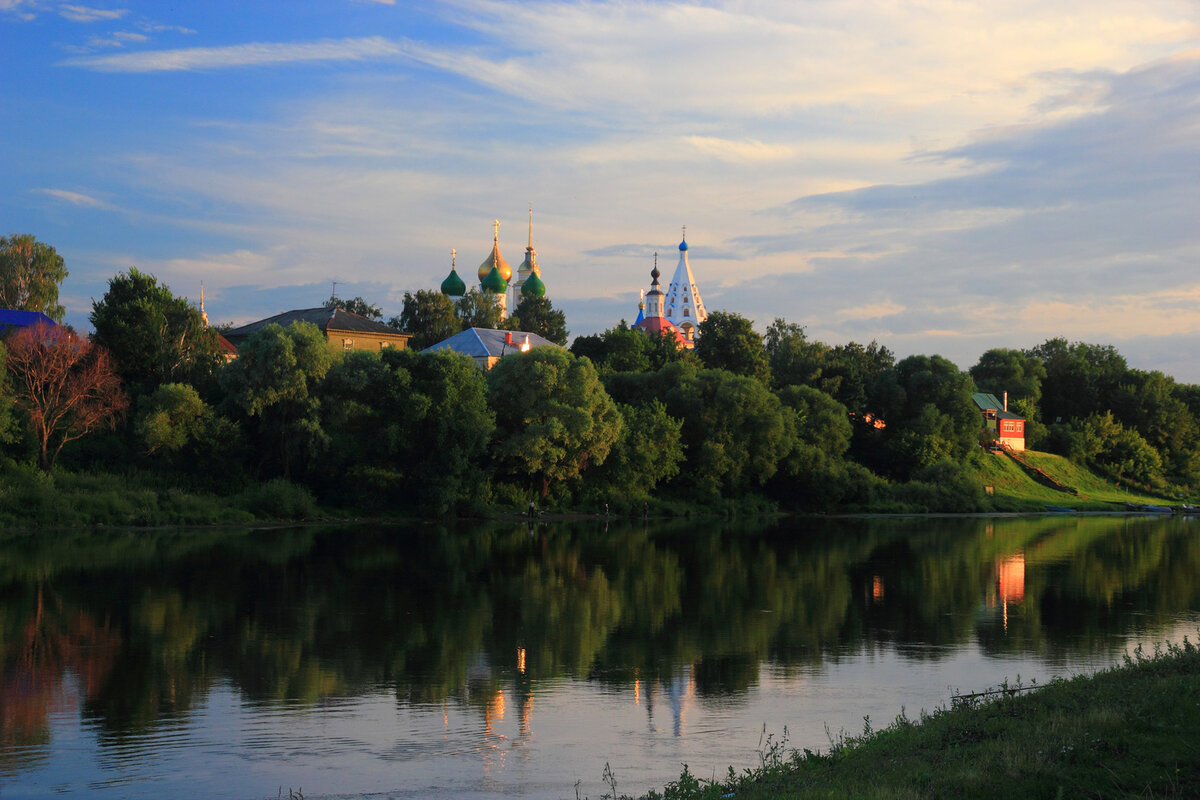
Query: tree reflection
x,y
138,628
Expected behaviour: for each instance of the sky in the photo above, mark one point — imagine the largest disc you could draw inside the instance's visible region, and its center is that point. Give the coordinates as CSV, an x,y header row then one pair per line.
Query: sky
x,y
940,176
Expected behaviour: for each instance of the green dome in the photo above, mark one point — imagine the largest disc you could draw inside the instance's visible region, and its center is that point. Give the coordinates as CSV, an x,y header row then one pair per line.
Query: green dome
x,y
453,285
494,283
533,287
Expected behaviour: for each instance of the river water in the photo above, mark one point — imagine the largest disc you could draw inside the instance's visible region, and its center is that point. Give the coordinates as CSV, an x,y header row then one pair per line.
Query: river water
x,y
494,660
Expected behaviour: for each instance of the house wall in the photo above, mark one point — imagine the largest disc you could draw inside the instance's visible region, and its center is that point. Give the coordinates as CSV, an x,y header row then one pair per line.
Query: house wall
x,y
345,341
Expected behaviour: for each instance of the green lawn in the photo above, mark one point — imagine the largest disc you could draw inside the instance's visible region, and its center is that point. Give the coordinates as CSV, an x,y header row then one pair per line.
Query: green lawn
x,y
1016,491
1132,731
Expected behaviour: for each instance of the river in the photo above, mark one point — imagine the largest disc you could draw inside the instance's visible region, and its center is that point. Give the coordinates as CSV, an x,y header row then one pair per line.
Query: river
x,y
491,660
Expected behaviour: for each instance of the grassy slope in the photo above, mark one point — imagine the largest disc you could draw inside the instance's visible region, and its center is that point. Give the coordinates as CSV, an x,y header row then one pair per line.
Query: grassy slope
x,y
1016,491
1133,731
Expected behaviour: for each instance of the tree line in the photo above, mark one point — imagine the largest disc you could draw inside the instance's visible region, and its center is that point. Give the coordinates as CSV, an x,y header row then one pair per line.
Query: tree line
x,y
618,420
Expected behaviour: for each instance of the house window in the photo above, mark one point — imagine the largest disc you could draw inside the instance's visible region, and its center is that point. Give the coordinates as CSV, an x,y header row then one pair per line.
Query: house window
x,y
685,312
347,344
1020,427
384,345
1009,427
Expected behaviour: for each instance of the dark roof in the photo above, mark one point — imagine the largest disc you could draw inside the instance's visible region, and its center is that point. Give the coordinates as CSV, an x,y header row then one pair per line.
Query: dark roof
x,y
16,318
326,319
481,342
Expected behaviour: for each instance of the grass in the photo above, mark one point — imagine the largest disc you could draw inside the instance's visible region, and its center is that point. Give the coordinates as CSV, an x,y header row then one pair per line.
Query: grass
x,y
1131,731
1016,491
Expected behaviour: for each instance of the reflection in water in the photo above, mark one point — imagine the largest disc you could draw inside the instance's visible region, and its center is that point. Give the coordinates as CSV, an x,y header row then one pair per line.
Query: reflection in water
x,y
266,654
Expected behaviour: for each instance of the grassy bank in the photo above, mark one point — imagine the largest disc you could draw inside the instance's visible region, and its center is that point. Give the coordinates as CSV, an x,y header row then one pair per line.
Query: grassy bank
x,y
1131,731
1015,490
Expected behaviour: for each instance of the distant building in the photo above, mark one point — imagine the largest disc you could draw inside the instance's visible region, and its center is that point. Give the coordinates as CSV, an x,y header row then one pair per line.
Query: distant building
x,y
684,307
344,330
651,319
13,320
496,276
487,346
1009,428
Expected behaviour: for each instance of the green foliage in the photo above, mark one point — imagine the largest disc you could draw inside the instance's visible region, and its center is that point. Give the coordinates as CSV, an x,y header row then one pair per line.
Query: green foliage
x,y
272,382
728,341
538,315
1122,452
476,309
1001,370
30,274
429,316
355,306
926,404
278,499
406,428
794,360
735,431
171,418
1080,378
553,417
623,349
648,452
153,336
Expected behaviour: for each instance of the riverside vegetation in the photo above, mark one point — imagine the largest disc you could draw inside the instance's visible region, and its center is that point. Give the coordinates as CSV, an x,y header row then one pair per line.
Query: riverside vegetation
x,y
746,422
1130,731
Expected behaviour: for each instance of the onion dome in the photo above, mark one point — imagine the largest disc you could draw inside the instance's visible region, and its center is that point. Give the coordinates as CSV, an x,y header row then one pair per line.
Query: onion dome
x,y
494,283
453,286
533,287
495,260
683,245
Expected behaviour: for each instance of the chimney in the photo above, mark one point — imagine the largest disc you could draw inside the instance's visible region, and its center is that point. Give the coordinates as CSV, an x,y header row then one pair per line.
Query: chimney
x,y
508,337
1006,401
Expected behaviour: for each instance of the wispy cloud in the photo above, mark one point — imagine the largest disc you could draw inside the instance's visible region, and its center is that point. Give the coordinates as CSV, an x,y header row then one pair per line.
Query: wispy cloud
x,y
74,198
243,55
88,14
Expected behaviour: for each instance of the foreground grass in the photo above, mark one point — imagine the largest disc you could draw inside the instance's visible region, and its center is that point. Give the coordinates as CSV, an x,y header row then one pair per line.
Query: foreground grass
x,y
1132,731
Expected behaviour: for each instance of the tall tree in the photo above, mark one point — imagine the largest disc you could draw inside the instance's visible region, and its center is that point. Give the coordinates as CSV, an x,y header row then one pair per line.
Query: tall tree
x,y
273,382
154,336
429,316
30,274
538,315
553,417
355,306
65,384
728,341
478,310
793,358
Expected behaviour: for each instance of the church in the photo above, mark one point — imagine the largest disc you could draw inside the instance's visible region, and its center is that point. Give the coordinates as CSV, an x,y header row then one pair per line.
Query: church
x,y
496,276
679,311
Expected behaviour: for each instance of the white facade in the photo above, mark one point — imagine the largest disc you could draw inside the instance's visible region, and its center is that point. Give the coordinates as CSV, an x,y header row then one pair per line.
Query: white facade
x,y
683,305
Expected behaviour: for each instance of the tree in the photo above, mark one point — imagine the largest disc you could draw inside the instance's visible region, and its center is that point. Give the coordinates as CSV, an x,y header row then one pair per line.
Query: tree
x,y
67,386
30,274
355,306
538,315
1014,371
553,417
1080,378
429,316
154,336
623,349
170,418
928,413
478,310
648,452
794,360
273,381
728,341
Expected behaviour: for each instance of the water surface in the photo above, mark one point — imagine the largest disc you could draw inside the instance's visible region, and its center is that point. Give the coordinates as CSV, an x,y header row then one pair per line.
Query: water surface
x,y
500,661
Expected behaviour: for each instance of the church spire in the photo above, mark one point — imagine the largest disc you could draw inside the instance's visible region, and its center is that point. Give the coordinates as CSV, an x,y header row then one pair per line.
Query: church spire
x,y
203,313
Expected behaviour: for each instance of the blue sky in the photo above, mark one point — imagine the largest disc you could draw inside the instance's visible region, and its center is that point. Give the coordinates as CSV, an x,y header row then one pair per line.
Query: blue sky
x,y
942,176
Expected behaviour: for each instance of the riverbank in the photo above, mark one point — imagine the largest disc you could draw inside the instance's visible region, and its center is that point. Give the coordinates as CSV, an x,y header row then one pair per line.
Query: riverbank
x,y
1130,731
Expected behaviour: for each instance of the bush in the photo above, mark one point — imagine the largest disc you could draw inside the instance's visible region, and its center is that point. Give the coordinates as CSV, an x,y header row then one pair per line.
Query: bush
x,y
278,499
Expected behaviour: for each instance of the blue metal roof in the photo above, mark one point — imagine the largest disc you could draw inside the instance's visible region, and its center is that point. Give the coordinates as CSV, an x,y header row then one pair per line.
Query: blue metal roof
x,y
16,318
